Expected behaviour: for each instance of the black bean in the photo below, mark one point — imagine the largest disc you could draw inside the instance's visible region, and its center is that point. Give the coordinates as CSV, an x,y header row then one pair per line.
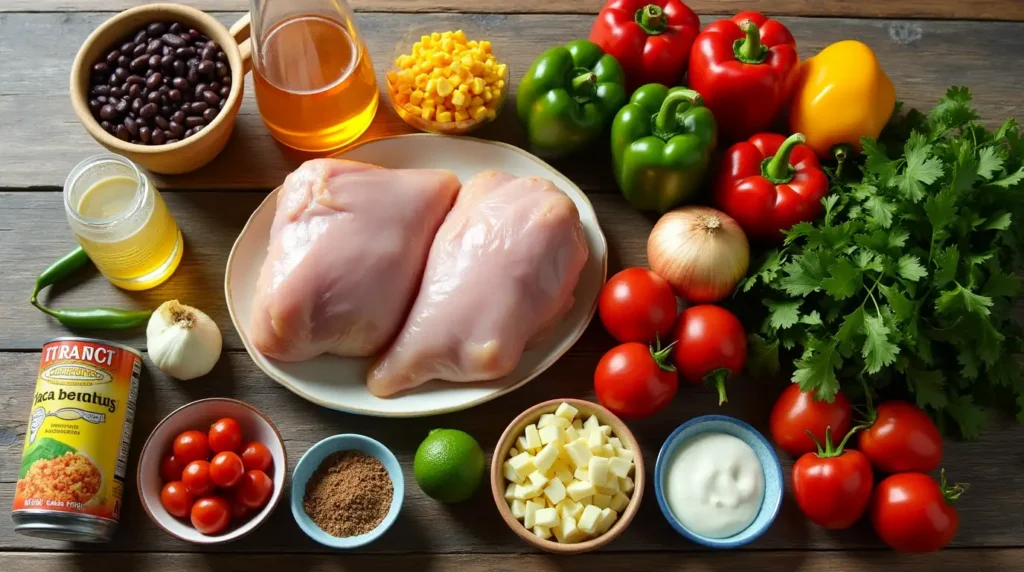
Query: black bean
x,y
193,121
122,133
194,33
136,79
177,129
225,91
189,132
106,125
139,50
197,108
185,108
167,63
161,122
171,140
222,69
172,40
138,65
156,29
192,76
123,61
198,91
209,114
127,47
158,137
148,110
166,111
185,53
100,90
174,95
101,98
94,106
179,83
140,37
130,124
178,117
207,54
116,92
206,68
211,97
134,91
222,57
102,68
144,133
179,68
176,27
149,72
154,47
221,104
122,106
226,80
154,62
185,38
215,86
137,105
154,80
112,57
166,51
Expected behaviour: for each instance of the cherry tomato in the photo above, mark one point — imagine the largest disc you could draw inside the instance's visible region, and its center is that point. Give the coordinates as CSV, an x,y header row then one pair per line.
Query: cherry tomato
x,y
833,487
902,439
176,499
238,509
256,457
711,346
632,380
255,488
225,435
637,305
226,469
191,446
910,512
197,478
171,468
211,515
796,412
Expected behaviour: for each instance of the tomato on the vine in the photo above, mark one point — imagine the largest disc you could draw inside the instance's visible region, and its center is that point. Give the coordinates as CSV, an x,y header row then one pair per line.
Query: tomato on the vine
x,y
833,485
633,380
902,438
711,346
910,512
637,305
795,412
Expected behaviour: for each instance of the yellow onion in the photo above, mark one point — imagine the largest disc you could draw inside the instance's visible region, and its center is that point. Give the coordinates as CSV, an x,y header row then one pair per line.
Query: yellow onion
x,y
700,251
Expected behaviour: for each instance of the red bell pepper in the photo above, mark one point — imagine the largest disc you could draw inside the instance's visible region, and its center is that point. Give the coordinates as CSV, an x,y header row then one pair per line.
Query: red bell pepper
x,y
745,69
769,183
650,38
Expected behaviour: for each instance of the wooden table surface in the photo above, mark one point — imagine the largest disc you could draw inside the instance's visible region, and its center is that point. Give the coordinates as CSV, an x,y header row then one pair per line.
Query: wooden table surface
x,y
925,45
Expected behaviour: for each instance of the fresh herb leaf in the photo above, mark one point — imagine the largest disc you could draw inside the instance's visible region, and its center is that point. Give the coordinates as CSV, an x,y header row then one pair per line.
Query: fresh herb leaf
x,y
844,281
880,210
910,268
969,417
878,351
929,387
783,314
1011,180
989,163
946,264
920,170
804,275
962,299
816,371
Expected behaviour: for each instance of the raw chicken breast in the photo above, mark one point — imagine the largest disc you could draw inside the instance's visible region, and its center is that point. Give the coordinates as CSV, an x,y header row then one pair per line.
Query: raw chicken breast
x,y
501,271
347,251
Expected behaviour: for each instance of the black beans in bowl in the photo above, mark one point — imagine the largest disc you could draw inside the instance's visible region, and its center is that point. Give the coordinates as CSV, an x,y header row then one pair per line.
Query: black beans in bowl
x,y
162,84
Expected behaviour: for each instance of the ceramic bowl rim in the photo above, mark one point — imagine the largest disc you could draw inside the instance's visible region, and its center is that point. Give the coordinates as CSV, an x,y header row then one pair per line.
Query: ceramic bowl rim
x,y
334,444
772,505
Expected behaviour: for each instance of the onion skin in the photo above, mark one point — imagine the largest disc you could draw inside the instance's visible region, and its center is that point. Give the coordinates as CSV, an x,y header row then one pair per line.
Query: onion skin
x,y
700,251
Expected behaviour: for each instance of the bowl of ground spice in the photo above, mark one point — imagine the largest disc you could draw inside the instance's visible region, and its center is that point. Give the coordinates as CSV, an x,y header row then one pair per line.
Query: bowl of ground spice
x,y
347,490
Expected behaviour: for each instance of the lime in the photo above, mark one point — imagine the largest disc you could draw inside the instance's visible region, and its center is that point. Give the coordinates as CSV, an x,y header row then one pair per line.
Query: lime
x,y
449,465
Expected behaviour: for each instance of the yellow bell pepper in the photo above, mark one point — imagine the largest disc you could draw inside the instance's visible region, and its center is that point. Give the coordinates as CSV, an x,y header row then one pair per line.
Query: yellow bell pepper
x,y
841,95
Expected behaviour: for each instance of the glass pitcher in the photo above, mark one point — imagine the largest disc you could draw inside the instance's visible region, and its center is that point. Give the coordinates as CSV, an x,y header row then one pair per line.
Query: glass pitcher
x,y
313,78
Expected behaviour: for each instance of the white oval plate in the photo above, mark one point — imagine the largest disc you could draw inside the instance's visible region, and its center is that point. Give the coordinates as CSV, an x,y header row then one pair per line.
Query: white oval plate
x,y
340,383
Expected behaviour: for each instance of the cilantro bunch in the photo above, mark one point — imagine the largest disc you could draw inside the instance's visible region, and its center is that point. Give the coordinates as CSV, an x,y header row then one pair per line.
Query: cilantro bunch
x,y
908,284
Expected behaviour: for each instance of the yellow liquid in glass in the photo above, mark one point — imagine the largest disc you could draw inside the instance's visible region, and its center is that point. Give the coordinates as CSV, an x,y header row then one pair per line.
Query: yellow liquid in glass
x,y
149,249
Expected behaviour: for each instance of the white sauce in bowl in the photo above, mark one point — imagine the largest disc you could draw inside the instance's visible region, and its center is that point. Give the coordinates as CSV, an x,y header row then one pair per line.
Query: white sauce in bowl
x,y
714,485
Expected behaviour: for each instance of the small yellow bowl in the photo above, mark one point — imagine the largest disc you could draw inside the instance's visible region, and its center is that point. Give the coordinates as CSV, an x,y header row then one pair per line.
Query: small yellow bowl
x,y
404,46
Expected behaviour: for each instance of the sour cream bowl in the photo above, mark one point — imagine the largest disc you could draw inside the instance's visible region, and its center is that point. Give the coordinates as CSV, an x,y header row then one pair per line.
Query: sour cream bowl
x,y
770,501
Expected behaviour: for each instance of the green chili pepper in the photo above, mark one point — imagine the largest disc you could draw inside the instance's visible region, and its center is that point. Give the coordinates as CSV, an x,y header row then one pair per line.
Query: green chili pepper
x,y
88,318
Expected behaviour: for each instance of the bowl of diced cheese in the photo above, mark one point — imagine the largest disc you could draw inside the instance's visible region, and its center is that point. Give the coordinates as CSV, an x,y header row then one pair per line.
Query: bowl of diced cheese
x,y
567,476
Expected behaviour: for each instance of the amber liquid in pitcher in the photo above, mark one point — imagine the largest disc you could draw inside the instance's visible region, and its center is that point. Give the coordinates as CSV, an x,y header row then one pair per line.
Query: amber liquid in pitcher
x,y
315,86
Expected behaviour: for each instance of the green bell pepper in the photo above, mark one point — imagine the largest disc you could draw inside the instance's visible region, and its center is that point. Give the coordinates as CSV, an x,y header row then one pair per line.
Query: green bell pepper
x,y
569,96
662,142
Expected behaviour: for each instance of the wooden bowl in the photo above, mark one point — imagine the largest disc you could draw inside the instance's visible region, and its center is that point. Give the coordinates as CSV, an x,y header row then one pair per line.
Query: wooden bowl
x,y
518,427
195,151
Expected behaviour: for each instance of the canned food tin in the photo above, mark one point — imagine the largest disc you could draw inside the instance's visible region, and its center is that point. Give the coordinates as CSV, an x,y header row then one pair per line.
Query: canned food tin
x,y
72,472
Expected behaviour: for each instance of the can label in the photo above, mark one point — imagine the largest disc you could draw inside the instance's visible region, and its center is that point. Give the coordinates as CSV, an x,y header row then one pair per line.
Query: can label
x,y
76,447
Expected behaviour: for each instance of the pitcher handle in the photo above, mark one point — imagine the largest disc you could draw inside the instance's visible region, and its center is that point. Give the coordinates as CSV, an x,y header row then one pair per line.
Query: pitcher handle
x,y
241,31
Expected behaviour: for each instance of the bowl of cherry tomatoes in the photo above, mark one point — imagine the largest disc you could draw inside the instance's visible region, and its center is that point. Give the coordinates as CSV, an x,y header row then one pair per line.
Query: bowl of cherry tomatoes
x,y
212,471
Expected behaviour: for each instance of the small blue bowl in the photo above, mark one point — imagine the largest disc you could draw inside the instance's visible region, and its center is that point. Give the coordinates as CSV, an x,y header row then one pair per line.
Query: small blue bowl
x,y
309,463
773,481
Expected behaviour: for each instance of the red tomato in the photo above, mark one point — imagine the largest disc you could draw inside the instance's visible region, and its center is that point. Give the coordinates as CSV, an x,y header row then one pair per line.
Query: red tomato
x,y
238,509
225,435
256,457
176,499
711,346
171,468
191,446
910,512
255,488
637,305
226,469
632,380
796,412
902,439
197,478
833,487
211,515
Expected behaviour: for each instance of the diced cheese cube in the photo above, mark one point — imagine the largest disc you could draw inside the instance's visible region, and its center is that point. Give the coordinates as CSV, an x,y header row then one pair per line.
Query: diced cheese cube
x,y
579,452
546,420
609,487
538,480
532,437
615,442
602,501
562,473
554,491
562,422
510,472
521,444
594,440
527,491
577,424
579,489
619,466
546,458
608,451
531,513
606,430
587,501
606,520
518,509
592,424
626,485
550,434
542,532
563,455
546,517
566,411
509,491
567,508
588,520
522,464
581,474
512,452
570,434
625,454
619,502
597,471
565,528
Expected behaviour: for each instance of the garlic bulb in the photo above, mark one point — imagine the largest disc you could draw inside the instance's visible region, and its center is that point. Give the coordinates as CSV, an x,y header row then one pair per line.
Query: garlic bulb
x,y
183,341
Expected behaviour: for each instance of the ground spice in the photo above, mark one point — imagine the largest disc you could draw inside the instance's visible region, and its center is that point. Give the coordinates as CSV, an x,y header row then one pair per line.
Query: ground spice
x,y
349,494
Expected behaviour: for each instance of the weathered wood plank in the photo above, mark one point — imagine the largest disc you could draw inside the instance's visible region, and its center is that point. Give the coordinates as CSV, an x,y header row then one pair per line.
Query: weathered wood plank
x,y
34,233
940,9
987,560
41,139
990,515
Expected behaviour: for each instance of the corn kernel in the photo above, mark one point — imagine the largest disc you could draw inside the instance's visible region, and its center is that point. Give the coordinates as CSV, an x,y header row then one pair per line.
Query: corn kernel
x,y
405,89
437,58
464,88
475,102
489,64
461,115
413,109
455,66
436,37
444,116
500,70
459,99
401,98
491,114
416,97
499,84
487,94
431,86
421,81
404,61
444,87
427,113
485,46
460,36
447,45
478,112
